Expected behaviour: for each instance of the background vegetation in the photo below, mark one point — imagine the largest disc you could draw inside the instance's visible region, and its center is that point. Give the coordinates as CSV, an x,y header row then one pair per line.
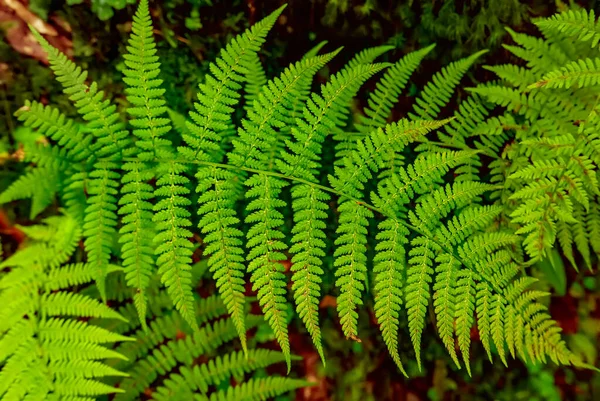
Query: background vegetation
x,y
94,32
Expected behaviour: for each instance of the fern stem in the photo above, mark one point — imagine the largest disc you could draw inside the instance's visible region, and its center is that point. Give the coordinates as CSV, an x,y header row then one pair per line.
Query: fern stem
x,y
333,191
294,179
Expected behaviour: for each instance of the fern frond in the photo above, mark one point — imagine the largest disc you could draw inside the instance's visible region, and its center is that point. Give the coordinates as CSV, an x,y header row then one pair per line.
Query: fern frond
x,y
166,357
265,254
322,113
371,153
350,255
75,304
440,202
61,235
582,73
541,56
112,138
366,56
137,231
101,218
438,91
198,378
464,312
386,93
35,317
40,184
143,90
516,76
258,134
163,324
255,80
68,276
315,50
218,220
259,388
112,141
416,178
172,245
252,148
451,237
579,24
417,290
216,99
171,354
445,302
220,92
469,122
53,163
52,123
150,126
308,242
389,268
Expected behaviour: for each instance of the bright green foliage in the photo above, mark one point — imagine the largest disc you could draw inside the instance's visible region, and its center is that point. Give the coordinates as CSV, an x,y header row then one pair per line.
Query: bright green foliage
x,y
112,142
267,113
47,351
310,203
382,99
578,24
263,237
163,363
53,164
437,93
220,92
350,179
582,73
144,94
255,80
445,234
367,56
581,26
171,219
216,99
550,176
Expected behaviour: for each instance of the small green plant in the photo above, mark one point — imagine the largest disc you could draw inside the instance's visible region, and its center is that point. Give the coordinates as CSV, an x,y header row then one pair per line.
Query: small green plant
x,y
263,171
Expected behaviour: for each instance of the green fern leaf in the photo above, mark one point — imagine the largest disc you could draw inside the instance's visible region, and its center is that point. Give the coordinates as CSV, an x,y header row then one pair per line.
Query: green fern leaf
x,y
388,89
580,24
445,302
438,91
310,203
583,73
218,95
150,126
111,139
350,253
366,56
172,245
389,268
35,318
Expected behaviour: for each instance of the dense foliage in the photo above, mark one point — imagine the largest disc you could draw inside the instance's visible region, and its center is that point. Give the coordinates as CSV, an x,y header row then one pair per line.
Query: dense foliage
x,y
440,215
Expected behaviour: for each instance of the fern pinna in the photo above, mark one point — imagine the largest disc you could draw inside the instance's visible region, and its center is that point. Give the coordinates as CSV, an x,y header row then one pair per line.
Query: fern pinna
x,y
443,233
